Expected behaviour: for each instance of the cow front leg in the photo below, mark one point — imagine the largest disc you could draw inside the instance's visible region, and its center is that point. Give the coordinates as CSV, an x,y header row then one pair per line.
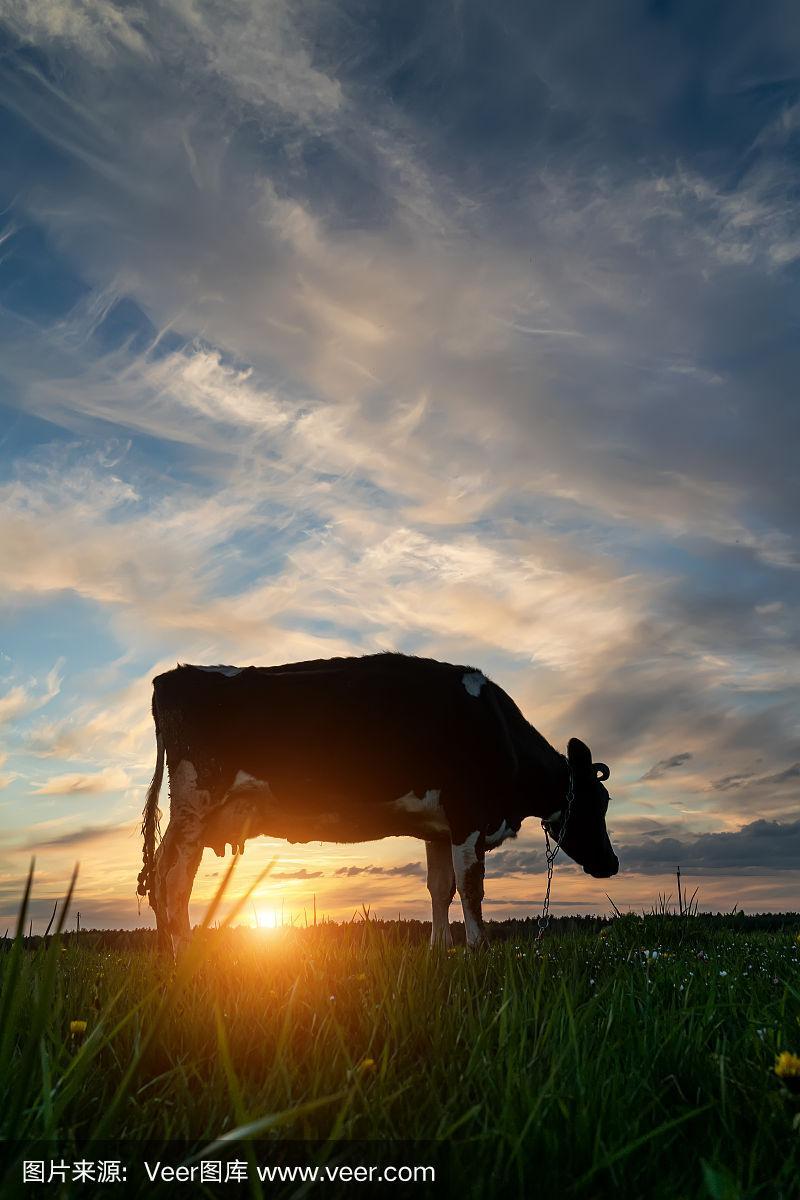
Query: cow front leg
x,y
181,850
468,866
442,887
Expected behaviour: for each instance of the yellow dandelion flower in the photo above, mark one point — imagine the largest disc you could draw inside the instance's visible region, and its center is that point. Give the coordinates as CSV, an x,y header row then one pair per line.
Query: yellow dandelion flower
x,y
77,1027
787,1068
367,1066
787,1065
360,978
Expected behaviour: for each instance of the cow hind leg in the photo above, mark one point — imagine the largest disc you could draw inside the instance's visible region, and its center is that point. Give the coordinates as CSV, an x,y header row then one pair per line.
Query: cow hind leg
x,y
442,887
468,866
157,902
180,852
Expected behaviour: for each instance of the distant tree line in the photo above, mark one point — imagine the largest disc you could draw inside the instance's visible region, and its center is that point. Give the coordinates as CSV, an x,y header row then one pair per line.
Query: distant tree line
x,y
412,931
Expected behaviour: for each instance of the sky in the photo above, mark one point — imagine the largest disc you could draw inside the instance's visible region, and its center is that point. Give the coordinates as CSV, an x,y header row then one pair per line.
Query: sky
x,y
461,329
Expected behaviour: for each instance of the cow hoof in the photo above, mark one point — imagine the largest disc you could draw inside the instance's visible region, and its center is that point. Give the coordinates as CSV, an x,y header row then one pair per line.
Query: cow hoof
x,y
478,944
180,943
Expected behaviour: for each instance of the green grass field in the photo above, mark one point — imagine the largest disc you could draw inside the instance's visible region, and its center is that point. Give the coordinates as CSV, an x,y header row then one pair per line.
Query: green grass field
x,y
634,1058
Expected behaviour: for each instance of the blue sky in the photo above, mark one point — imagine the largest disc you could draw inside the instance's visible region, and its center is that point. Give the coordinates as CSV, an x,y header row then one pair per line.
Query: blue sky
x,y
460,329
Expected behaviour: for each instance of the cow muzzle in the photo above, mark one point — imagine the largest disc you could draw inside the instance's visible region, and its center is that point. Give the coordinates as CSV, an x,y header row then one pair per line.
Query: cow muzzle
x,y
604,871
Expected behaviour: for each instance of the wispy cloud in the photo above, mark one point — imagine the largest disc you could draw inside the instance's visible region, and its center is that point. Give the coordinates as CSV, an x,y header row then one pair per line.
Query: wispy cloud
x,y
111,780
289,876
97,28
752,779
406,869
23,699
659,769
84,837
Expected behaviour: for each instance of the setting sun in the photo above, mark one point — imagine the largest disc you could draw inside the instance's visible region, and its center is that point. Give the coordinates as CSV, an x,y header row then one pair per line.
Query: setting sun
x,y
268,920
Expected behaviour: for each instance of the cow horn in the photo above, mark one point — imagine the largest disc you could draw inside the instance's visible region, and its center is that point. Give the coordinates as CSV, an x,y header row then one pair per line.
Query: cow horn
x,y
601,770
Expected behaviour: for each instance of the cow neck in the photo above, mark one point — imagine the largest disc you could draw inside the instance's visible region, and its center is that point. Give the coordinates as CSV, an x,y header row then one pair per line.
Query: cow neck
x,y
545,782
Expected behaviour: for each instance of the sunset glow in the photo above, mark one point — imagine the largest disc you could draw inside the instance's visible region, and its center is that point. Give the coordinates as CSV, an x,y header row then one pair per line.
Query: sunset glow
x,y
453,336
267,920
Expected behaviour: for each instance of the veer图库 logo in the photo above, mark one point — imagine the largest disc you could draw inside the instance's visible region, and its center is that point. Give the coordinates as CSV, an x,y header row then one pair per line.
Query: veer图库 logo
x,y
236,1171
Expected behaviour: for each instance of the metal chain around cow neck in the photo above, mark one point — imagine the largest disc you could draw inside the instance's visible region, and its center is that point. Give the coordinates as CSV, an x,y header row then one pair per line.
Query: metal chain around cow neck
x,y
550,852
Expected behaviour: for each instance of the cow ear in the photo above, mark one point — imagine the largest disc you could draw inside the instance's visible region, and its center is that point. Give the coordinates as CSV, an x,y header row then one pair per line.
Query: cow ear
x,y
579,755
601,771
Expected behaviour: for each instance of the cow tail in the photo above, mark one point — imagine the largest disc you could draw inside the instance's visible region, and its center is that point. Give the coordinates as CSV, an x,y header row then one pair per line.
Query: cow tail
x,y
151,814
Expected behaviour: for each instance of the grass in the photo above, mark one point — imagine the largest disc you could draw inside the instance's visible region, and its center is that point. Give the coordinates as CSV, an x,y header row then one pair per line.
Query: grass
x,y
635,1061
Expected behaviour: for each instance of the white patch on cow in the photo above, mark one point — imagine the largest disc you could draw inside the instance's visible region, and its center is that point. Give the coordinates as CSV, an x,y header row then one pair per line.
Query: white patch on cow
x,y
185,796
464,857
184,777
473,681
431,816
178,855
413,803
248,783
500,834
221,669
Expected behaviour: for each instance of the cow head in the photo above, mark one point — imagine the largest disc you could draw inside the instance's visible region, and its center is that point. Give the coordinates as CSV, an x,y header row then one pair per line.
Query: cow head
x,y
580,827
